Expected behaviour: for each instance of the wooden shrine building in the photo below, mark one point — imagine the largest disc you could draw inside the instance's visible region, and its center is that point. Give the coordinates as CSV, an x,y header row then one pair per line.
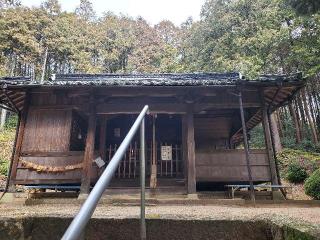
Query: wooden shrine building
x,y
70,125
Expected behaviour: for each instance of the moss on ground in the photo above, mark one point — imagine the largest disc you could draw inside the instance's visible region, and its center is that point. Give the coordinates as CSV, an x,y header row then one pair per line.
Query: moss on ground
x,y
297,232
310,160
289,154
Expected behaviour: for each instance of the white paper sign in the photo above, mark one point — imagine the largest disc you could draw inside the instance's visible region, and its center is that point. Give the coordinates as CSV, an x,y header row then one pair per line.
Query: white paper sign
x,y
100,163
166,153
117,132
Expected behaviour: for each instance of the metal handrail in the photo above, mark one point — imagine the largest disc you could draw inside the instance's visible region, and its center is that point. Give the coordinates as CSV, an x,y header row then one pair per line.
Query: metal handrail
x,y
78,224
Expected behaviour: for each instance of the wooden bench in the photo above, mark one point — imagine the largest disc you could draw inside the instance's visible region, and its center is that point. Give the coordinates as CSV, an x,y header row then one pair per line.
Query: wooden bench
x,y
235,187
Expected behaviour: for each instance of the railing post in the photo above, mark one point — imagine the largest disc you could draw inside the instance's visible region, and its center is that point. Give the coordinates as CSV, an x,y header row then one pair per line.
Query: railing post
x,y
143,233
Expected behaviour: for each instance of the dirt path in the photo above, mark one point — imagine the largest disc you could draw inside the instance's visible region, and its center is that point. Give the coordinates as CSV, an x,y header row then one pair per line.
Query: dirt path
x,y
308,215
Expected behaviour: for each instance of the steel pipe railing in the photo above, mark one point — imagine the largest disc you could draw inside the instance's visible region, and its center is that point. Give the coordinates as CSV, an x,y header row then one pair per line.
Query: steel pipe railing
x,y
143,232
80,221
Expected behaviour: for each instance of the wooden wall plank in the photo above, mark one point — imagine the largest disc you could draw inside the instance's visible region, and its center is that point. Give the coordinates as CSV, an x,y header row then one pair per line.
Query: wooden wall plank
x,y
230,166
53,159
47,131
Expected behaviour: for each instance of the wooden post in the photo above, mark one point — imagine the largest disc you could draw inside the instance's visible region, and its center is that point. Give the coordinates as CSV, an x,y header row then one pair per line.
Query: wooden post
x,y
246,147
184,154
269,147
17,148
102,142
89,150
153,177
190,150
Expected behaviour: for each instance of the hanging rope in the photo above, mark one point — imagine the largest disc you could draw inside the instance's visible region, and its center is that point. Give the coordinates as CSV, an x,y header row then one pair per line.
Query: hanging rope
x,y
43,168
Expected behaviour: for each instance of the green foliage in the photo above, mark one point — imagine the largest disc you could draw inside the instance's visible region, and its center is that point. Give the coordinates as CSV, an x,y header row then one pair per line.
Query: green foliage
x,y
239,36
288,138
257,137
292,160
11,122
80,42
305,6
252,37
296,173
4,167
288,155
312,185
297,232
6,143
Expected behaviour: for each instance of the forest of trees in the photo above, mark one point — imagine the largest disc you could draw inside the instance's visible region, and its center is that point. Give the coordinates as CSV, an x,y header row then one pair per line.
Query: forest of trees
x,y
252,37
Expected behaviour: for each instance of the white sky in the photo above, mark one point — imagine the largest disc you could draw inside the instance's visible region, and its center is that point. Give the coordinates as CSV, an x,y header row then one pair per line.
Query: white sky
x,y
153,11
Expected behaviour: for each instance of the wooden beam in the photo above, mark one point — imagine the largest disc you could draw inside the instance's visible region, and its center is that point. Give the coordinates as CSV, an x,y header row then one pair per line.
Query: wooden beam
x,y
61,107
6,108
168,108
127,108
89,150
10,100
18,144
51,154
155,91
190,150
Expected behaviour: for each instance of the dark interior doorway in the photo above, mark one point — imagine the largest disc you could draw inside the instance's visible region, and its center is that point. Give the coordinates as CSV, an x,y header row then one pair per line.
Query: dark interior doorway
x,y
163,133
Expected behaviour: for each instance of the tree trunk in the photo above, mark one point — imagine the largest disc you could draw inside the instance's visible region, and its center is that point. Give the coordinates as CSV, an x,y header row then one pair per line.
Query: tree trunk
x,y
312,108
44,65
295,123
275,133
308,115
3,118
299,117
280,126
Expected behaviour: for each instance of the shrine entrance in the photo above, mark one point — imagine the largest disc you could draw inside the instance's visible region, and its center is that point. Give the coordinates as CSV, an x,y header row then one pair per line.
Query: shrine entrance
x,y
164,161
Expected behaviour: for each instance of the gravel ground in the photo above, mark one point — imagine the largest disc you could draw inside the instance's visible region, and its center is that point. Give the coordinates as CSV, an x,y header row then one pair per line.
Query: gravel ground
x,y
305,215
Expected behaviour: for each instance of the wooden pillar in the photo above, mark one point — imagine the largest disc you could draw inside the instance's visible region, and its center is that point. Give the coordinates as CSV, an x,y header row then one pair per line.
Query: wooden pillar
x,y
18,144
269,147
89,150
153,176
184,147
190,150
102,141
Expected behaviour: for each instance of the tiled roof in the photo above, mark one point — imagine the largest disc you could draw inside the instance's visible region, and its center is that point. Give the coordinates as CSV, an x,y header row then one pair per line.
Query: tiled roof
x,y
170,79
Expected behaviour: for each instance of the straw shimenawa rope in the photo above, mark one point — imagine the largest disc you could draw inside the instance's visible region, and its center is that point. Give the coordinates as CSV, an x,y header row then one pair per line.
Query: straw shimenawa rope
x,y
42,168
